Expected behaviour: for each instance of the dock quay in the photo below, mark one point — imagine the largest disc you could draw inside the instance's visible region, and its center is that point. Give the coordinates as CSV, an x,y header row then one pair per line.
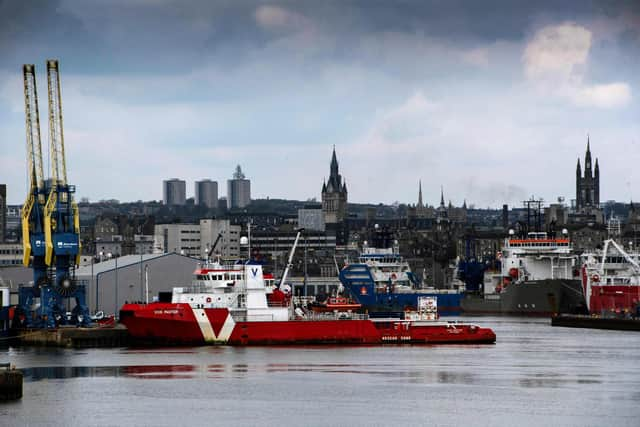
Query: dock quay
x,y
596,322
73,337
10,383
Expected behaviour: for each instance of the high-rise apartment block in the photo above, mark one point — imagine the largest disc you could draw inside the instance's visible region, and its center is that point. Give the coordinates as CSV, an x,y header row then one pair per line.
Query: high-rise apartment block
x,y
238,190
206,193
174,192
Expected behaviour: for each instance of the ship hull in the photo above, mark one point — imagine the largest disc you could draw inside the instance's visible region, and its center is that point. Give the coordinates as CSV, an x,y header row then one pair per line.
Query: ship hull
x,y
376,302
384,298
178,324
614,298
532,298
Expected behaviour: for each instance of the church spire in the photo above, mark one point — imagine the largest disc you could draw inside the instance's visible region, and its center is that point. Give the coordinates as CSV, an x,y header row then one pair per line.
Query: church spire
x,y
334,163
420,205
441,196
587,159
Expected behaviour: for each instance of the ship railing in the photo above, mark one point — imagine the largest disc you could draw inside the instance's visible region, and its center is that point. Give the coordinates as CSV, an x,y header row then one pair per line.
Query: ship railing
x,y
278,304
332,315
303,301
253,318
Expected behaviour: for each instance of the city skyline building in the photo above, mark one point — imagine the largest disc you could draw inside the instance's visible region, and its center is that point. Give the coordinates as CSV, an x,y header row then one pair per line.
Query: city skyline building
x,y
196,239
206,193
334,194
334,202
587,184
174,192
238,190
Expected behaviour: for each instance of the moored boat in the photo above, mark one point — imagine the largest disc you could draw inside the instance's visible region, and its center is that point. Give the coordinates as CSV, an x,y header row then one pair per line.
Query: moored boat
x,y
334,304
539,277
233,305
382,281
539,274
611,280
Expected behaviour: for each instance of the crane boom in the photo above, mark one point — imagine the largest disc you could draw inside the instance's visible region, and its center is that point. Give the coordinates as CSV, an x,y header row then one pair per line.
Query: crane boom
x,y
56,134
60,212
31,218
214,246
290,261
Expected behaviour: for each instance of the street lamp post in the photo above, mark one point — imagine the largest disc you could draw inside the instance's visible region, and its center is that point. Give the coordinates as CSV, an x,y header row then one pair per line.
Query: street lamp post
x,y
115,256
97,283
93,258
141,251
116,308
146,283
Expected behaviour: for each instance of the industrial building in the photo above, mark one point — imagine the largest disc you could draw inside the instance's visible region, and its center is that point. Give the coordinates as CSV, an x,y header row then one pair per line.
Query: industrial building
x,y
111,283
195,240
311,219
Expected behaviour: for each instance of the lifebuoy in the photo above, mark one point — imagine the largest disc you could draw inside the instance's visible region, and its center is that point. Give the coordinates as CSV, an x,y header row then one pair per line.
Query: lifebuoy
x,y
363,290
393,276
595,278
208,299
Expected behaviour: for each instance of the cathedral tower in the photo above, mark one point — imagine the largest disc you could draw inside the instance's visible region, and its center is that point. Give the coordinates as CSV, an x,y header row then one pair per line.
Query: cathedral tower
x,y
588,184
334,200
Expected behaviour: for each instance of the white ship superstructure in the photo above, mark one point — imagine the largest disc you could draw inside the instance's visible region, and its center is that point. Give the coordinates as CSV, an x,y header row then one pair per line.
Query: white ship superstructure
x,y
538,257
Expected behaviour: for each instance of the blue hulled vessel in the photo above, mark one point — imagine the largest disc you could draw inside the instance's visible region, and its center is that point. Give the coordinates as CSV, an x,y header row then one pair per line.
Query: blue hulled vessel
x,y
382,281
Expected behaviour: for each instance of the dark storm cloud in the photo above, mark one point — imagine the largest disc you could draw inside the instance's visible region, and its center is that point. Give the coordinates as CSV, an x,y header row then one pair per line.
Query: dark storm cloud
x,y
273,85
165,35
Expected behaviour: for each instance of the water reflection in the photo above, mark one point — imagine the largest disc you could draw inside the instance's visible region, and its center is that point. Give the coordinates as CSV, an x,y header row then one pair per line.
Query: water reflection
x,y
138,371
235,370
554,381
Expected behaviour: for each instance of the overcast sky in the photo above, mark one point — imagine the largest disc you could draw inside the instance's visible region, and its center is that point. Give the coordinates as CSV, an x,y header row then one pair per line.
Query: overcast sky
x,y
492,100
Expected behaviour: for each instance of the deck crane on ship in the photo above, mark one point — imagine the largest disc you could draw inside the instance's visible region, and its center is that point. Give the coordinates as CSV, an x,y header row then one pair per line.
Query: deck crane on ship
x,y
50,219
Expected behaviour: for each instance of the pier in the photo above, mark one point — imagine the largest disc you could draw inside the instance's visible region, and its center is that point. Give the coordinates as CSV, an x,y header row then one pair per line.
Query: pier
x,y
10,383
593,322
73,337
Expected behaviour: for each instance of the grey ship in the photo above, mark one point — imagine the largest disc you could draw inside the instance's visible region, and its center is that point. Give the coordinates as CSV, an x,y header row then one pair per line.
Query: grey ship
x,y
539,276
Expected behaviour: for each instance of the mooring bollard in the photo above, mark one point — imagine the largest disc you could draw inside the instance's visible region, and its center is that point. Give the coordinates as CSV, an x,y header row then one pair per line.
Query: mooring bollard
x,y
10,382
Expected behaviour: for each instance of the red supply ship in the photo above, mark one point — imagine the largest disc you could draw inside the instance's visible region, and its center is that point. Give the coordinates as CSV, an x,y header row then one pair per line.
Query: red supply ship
x,y
611,280
239,305
233,305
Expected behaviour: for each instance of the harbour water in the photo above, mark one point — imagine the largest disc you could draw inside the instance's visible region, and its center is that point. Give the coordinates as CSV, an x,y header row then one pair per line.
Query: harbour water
x,y
534,375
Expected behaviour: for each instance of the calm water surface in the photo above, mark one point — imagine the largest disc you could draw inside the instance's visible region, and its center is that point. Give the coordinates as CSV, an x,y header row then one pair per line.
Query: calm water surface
x,y
535,375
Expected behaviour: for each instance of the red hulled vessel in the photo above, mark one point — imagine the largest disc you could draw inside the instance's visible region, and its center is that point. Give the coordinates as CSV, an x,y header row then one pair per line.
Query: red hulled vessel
x,y
611,280
238,305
